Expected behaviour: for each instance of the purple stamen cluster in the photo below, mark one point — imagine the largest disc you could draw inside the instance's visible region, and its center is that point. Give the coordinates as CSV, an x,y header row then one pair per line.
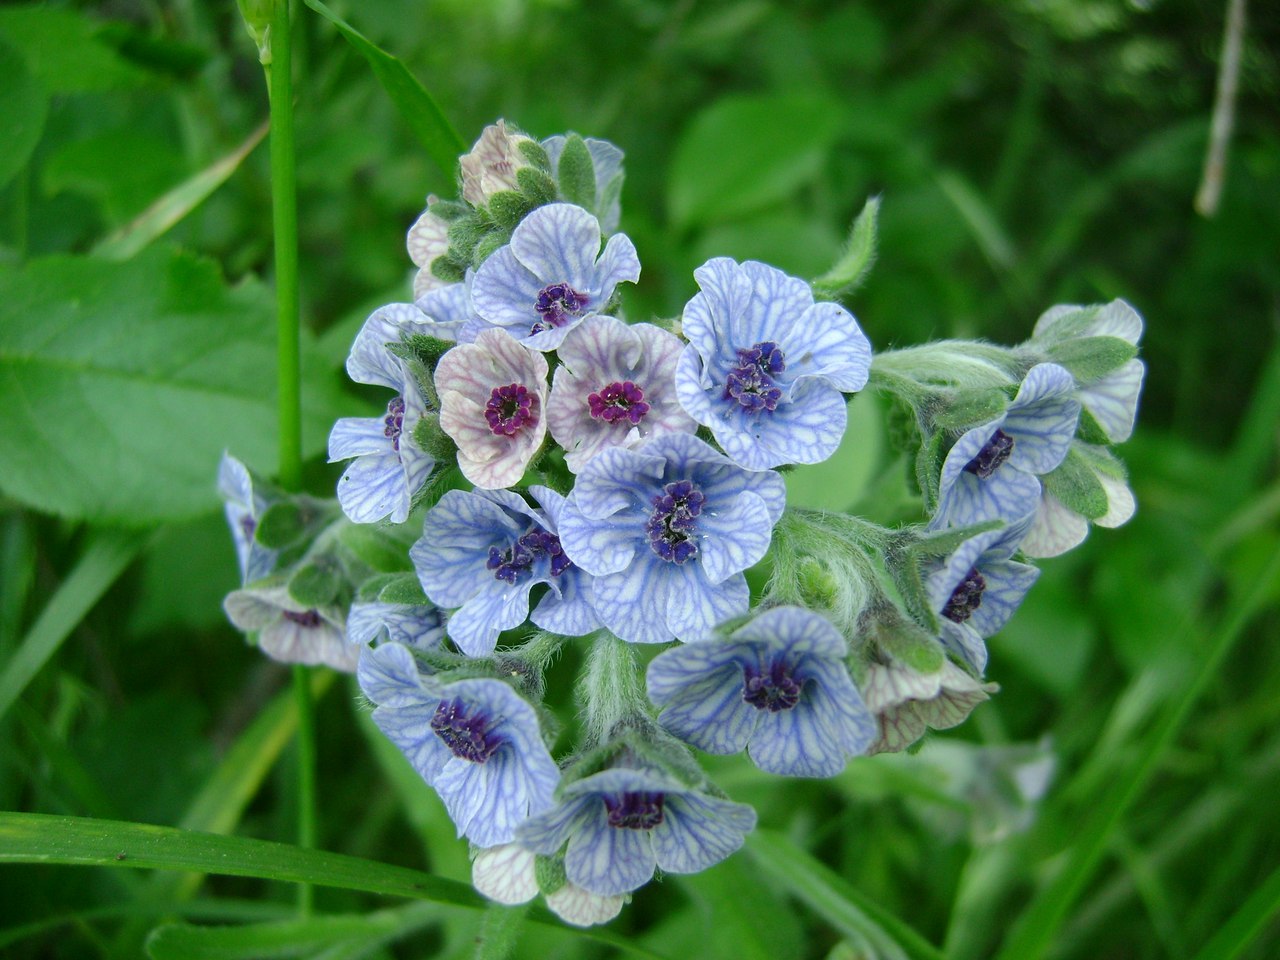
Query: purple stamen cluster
x,y
394,422
634,811
509,408
618,401
993,453
671,525
310,618
751,382
773,690
557,303
965,598
467,736
511,564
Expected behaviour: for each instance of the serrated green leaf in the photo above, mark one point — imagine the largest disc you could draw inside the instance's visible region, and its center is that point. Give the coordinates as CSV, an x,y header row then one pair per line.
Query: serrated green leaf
x,y
1077,487
23,108
123,383
418,108
1091,358
577,173
63,51
745,153
859,255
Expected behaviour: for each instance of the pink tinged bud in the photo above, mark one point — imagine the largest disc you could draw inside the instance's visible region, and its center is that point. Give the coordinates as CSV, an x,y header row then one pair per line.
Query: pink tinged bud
x,y
427,241
492,164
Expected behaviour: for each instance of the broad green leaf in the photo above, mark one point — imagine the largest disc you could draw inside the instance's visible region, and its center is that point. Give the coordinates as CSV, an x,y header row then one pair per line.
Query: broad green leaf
x,y
744,153
23,108
105,558
793,242
63,50
284,938
416,105
828,895
175,204
123,384
121,169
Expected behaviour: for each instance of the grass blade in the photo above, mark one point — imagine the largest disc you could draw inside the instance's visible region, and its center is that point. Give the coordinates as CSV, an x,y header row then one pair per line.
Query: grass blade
x,y
1039,923
835,901
170,208
104,559
1246,923
416,105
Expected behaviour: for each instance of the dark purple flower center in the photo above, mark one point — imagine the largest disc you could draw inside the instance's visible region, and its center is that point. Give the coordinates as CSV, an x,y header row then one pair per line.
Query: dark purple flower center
x,y
468,736
773,690
618,401
516,562
308,618
394,422
558,303
248,526
965,598
993,453
639,810
671,525
751,383
509,409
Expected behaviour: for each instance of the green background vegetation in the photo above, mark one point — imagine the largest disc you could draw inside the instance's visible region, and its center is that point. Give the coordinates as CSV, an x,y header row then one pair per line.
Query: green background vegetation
x,y
1026,153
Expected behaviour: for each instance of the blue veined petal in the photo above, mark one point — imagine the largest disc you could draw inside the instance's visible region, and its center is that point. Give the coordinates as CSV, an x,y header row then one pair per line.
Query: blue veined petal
x,y
389,677
694,607
827,343
410,730
413,624
694,389
358,436
609,860
677,668
778,302
1113,400
698,831
616,479
600,547
558,243
962,640
795,629
451,555
448,309
630,603
373,488
619,263
485,801
817,737
1056,529
1007,584
370,361
726,293
807,429
1006,494
706,709
571,612
733,536
547,833
965,449
504,293
496,606
1042,419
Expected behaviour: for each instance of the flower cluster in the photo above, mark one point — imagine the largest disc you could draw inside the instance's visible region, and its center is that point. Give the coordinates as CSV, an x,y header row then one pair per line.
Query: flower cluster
x,y
549,471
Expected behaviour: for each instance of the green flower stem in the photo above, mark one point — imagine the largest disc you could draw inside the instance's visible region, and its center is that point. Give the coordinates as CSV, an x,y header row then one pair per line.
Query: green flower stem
x,y
611,688
284,206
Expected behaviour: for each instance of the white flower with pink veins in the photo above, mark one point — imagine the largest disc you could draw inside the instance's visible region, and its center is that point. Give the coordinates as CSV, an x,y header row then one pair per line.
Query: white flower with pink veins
x,y
492,395
615,388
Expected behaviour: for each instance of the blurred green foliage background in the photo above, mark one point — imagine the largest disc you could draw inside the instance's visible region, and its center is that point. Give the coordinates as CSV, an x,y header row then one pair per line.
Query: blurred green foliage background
x,y
1027,153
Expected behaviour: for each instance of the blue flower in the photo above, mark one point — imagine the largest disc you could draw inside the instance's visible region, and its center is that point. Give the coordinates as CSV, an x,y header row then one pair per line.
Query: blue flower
x,y
766,367
288,631
476,741
548,278
622,823
389,467
992,471
483,551
245,505
975,591
777,687
1112,399
667,529
420,625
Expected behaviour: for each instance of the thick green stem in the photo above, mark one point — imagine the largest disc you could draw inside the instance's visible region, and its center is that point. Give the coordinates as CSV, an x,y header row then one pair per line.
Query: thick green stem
x,y
284,205
611,687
